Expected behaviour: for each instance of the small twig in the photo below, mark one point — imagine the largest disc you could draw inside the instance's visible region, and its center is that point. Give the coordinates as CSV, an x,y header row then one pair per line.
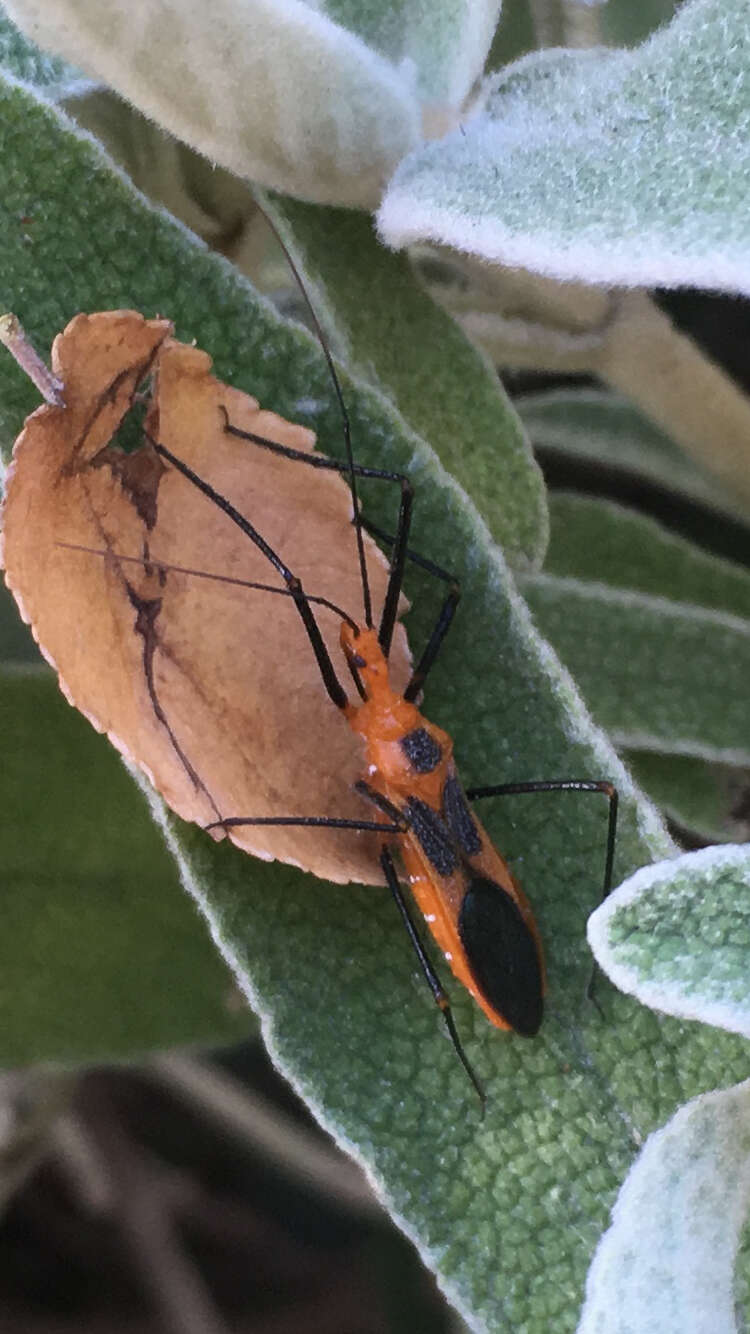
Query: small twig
x,y
546,21
143,1214
80,1163
30,1103
260,1124
13,337
581,22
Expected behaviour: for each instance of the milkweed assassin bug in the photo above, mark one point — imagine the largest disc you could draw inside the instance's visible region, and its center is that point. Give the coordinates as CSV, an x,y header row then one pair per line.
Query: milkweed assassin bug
x,y
472,904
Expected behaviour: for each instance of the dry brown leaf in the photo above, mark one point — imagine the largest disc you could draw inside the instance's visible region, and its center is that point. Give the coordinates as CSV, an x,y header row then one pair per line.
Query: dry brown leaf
x,y
211,689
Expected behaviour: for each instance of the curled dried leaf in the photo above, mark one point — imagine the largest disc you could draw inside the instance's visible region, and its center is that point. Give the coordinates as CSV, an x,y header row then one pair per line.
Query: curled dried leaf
x,y
210,688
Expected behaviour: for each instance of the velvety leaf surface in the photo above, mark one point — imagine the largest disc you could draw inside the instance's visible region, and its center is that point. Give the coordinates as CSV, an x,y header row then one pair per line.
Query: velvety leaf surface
x,y
101,954
396,336
659,675
665,1265
509,1210
280,93
593,539
604,431
618,167
677,936
710,800
445,41
22,58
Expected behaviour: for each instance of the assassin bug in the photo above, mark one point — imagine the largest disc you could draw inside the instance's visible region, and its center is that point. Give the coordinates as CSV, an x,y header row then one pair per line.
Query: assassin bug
x,y
473,906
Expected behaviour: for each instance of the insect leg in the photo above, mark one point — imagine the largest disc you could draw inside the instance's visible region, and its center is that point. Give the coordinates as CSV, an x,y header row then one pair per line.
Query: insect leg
x,y
436,987
567,785
399,543
335,690
445,615
307,822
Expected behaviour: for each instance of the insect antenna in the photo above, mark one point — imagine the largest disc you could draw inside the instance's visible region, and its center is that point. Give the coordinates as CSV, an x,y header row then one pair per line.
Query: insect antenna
x,y
366,598
153,562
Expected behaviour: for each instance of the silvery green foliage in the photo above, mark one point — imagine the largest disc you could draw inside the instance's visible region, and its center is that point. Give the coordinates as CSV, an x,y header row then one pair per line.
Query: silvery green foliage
x,y
676,936
665,1264
613,166
619,167
596,427
316,100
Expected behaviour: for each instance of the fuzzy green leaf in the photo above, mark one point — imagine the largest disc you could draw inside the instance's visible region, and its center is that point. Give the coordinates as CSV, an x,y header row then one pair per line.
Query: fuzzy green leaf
x,y
710,800
626,24
278,92
16,642
659,675
20,57
101,955
665,1265
604,431
508,1211
446,41
677,936
592,539
395,336
617,167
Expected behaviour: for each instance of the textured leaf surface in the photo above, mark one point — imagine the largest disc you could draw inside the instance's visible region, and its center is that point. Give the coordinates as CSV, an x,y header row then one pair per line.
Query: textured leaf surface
x,y
619,167
101,954
280,93
711,800
396,336
677,935
665,1265
508,1211
592,539
603,430
445,41
659,675
23,59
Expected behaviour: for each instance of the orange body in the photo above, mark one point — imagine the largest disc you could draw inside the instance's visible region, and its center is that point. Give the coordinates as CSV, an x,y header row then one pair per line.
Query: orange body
x,y
387,722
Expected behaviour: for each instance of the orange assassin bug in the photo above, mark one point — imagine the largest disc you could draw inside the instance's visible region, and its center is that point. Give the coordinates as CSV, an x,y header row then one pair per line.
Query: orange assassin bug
x,y
472,904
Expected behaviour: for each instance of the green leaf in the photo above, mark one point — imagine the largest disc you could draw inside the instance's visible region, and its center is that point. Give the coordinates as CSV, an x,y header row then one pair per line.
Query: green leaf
x,y
601,429
445,42
101,955
658,675
16,643
665,1265
592,539
279,93
20,57
616,167
626,24
507,1210
710,800
395,336
676,936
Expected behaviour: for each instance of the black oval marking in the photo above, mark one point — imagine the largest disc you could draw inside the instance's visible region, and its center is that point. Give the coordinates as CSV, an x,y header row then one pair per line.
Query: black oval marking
x,y
459,819
421,750
433,836
503,955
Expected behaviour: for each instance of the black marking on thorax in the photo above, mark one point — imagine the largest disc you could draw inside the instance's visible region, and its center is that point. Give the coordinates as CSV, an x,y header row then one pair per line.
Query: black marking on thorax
x,y
421,750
